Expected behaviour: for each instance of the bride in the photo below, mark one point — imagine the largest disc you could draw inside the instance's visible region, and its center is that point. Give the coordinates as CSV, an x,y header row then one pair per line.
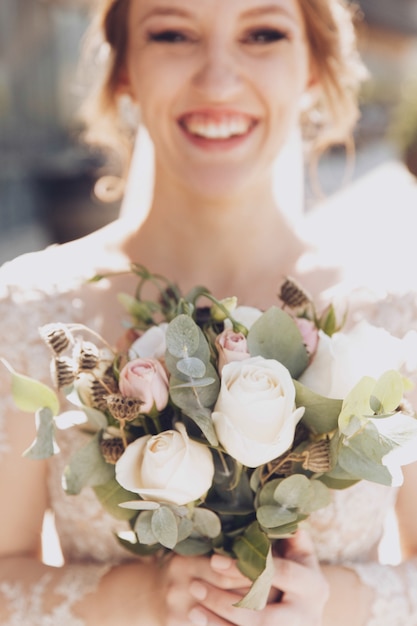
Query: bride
x,y
220,86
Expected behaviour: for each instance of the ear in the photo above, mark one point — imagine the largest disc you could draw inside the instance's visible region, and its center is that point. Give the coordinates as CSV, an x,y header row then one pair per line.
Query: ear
x,y
124,87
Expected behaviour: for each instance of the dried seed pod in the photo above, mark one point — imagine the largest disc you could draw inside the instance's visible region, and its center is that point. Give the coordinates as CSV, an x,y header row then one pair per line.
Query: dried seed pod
x,y
63,371
56,336
87,356
100,388
317,457
112,449
292,295
123,408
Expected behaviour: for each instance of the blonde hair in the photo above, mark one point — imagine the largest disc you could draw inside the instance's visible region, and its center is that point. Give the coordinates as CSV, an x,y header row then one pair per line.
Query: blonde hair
x,y
328,120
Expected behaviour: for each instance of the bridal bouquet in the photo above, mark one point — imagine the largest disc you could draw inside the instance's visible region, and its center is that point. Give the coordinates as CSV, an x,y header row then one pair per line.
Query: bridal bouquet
x,y
221,428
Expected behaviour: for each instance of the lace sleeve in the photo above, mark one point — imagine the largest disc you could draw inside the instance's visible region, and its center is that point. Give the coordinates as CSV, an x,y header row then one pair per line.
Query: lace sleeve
x,y
26,604
31,592
395,589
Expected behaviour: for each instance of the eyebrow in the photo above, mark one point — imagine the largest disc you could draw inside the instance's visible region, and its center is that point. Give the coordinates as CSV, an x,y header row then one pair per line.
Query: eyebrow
x,y
268,9
165,10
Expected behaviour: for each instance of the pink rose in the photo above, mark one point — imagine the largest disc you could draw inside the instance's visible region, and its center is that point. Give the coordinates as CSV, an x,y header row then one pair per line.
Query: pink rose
x,y
309,333
146,380
231,347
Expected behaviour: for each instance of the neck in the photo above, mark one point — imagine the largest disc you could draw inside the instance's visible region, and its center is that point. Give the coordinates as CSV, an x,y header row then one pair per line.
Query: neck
x,y
225,243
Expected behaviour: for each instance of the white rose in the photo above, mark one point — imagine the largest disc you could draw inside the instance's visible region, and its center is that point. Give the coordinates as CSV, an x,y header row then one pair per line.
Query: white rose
x,y
167,468
246,315
150,345
342,360
255,415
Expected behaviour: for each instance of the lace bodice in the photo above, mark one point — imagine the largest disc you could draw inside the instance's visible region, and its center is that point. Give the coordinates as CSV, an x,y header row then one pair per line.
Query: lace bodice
x,y
348,531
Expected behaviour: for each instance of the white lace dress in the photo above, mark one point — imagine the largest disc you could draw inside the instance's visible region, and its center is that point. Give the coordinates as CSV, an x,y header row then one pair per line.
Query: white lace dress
x,y
346,532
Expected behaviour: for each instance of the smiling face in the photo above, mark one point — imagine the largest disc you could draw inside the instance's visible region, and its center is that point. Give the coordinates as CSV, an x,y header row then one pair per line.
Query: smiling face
x,y
219,83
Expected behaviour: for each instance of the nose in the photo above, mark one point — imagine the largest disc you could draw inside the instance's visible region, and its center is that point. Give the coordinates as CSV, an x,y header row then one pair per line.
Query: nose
x,y
217,76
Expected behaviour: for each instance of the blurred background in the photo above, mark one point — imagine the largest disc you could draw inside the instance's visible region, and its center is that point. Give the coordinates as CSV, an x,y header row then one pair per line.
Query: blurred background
x,y
47,176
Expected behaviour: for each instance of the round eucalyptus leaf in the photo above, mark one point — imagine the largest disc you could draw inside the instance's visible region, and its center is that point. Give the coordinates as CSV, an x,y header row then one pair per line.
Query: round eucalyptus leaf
x,y
271,516
165,527
206,523
143,529
192,367
182,336
292,491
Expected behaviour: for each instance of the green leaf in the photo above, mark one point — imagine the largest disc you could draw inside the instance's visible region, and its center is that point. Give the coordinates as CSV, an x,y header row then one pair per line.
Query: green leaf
x,y
111,495
271,516
387,393
143,529
87,468
192,367
251,550
165,527
206,523
182,336
44,445
328,322
29,394
319,496
266,495
257,597
321,413
137,547
356,403
275,336
193,547
185,528
293,491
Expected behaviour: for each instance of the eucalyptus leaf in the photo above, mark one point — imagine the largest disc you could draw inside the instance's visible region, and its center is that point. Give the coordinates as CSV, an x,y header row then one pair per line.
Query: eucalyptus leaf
x,y
251,550
193,547
136,547
143,529
293,491
387,393
29,394
257,597
206,523
44,445
195,384
275,335
182,336
271,516
185,528
192,367
266,495
319,496
165,527
87,468
111,495
321,414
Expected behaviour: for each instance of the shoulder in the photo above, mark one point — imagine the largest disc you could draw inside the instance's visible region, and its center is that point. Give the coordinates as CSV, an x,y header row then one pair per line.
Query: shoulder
x,y
369,231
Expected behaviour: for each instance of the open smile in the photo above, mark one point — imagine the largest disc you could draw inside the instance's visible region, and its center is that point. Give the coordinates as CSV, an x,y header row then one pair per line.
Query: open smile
x,y
217,126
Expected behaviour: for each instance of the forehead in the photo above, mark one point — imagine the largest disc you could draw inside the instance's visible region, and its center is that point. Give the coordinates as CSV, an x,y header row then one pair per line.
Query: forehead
x,y
200,8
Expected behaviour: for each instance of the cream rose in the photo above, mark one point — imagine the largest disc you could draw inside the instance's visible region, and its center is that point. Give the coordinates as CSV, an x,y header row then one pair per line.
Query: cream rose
x,y
150,345
255,415
245,315
343,359
231,346
167,468
146,380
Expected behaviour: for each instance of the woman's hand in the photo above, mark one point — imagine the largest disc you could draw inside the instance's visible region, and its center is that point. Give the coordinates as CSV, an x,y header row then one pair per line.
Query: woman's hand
x,y
202,591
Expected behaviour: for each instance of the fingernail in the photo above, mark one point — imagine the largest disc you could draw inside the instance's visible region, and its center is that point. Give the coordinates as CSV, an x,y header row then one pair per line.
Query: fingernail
x,y
220,562
197,618
198,591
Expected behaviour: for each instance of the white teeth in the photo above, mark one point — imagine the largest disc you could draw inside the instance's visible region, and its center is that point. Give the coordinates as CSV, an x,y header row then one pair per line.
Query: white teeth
x,y
210,129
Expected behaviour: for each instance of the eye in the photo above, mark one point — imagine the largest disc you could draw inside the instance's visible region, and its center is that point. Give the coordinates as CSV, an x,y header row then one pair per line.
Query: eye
x,y
168,36
264,36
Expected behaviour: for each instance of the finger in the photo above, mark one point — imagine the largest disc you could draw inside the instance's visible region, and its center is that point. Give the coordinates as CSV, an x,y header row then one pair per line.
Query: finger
x,y
216,606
